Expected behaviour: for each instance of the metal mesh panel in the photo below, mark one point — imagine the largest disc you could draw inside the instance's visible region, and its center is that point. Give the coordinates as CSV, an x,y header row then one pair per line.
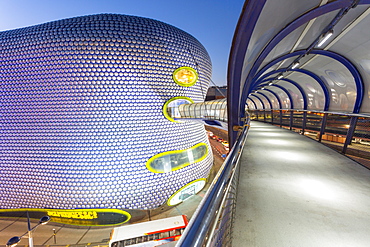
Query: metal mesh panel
x,y
253,115
359,149
337,124
276,117
212,223
313,125
268,116
259,115
222,235
297,120
286,118
335,131
313,122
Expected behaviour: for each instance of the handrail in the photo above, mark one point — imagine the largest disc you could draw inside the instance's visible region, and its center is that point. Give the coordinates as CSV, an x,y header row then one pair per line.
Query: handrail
x,y
318,111
196,233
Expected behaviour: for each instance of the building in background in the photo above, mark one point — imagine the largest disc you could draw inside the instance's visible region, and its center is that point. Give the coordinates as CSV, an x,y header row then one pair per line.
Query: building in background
x,y
85,119
215,92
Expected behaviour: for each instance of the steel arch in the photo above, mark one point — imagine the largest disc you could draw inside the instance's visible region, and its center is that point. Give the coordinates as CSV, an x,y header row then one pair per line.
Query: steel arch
x,y
286,91
348,64
263,105
329,7
300,89
266,99
276,96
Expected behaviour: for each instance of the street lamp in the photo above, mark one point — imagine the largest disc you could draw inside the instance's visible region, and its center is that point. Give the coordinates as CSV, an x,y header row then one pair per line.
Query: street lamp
x,y
15,240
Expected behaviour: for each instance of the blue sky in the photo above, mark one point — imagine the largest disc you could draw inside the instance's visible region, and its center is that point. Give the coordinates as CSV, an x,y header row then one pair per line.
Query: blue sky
x,y
212,22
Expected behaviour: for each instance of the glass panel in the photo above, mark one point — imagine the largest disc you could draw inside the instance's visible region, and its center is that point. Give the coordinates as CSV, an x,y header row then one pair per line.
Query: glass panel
x,y
186,191
175,160
294,93
250,104
274,101
338,79
198,110
171,107
257,101
185,76
315,93
265,101
285,101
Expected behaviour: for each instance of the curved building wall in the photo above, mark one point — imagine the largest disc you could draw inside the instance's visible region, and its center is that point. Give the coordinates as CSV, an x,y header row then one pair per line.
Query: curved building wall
x,y
81,112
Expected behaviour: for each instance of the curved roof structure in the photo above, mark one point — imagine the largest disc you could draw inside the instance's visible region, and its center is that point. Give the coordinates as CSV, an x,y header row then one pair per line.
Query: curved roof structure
x,y
304,55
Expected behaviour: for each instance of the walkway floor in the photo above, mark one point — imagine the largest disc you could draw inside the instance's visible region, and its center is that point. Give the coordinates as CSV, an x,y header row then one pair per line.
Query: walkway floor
x,y
294,191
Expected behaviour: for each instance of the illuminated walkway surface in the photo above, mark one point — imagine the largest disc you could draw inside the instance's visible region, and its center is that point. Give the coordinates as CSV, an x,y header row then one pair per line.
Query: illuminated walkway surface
x,y
293,191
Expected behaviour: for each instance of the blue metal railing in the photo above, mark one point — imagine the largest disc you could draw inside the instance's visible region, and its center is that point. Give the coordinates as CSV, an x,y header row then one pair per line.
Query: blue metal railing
x,y
211,224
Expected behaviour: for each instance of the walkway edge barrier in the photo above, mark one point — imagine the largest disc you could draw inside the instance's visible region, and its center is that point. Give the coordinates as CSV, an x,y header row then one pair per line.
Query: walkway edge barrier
x,y
211,224
347,133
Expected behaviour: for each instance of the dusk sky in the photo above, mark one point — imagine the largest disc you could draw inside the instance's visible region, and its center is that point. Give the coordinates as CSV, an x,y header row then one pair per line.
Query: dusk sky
x,y
212,22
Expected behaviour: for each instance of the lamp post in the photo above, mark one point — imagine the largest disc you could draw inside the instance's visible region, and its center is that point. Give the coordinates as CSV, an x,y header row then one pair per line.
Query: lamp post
x,y
15,240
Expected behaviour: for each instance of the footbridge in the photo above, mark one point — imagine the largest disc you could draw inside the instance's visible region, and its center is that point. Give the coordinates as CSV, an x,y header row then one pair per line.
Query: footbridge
x,y
298,117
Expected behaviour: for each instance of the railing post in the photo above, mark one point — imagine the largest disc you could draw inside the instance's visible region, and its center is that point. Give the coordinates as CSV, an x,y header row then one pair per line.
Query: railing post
x,y
350,132
281,118
264,115
291,120
304,121
323,126
272,116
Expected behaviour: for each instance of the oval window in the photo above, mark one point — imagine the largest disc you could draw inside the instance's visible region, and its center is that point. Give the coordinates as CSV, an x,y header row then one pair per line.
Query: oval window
x,y
170,108
185,76
177,159
187,191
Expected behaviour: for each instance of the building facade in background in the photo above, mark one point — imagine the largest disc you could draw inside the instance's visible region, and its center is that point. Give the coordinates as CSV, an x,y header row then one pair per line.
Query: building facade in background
x,y
84,114
215,92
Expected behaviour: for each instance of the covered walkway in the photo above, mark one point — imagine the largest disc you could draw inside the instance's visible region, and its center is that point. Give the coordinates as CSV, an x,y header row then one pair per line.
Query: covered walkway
x,y
294,191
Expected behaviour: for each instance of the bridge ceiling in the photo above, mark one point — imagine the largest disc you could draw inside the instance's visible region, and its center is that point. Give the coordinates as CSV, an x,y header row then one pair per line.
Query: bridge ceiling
x,y
251,104
258,103
272,97
274,35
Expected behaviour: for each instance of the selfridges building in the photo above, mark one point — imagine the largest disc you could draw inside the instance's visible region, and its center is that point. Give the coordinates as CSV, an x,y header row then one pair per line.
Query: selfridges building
x,y
86,114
